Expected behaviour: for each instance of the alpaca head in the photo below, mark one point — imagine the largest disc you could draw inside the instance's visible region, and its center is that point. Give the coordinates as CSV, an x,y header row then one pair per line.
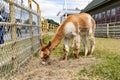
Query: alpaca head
x,y
45,53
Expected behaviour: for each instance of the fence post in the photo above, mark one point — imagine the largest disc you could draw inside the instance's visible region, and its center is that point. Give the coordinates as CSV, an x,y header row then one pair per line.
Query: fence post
x,y
31,28
114,30
108,31
13,33
12,19
46,25
40,23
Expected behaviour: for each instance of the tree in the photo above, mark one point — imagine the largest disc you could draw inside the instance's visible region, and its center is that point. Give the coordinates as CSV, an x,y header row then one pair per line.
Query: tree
x,y
28,22
52,22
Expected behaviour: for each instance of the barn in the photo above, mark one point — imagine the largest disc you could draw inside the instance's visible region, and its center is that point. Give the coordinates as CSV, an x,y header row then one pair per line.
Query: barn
x,y
107,16
104,11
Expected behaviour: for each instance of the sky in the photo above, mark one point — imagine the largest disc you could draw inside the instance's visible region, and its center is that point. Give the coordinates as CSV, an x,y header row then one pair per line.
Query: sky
x,y
50,8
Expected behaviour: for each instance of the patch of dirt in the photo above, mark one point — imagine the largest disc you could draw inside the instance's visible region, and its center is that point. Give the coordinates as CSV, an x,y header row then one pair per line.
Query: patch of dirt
x,y
57,70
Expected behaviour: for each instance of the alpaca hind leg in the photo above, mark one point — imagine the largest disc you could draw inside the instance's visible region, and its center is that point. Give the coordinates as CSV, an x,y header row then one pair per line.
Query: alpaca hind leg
x,y
92,43
66,48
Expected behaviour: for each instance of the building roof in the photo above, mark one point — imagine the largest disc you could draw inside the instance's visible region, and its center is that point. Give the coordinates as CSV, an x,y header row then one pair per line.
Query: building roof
x,y
69,11
72,11
94,4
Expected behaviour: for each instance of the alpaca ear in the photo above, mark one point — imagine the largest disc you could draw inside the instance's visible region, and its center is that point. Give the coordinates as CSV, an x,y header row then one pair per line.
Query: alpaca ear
x,y
49,45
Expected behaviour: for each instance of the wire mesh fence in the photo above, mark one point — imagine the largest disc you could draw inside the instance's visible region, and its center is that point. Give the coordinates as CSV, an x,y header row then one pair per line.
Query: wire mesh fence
x,y
20,35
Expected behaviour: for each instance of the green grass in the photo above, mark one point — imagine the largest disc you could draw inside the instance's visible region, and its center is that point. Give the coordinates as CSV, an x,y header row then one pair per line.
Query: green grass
x,y
46,39
107,50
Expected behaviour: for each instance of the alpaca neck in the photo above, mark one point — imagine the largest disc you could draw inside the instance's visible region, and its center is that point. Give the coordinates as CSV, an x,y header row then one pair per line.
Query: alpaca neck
x,y
57,38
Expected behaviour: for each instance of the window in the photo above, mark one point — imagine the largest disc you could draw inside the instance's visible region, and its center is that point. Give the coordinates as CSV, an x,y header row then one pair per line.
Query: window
x,y
113,11
108,12
99,15
96,16
103,14
118,10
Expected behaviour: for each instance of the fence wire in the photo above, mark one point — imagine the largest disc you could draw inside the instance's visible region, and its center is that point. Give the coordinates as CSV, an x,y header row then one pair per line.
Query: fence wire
x,y
20,33
20,37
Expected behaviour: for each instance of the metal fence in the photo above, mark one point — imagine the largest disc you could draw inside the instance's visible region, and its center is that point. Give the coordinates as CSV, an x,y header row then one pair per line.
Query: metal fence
x,y
110,30
21,40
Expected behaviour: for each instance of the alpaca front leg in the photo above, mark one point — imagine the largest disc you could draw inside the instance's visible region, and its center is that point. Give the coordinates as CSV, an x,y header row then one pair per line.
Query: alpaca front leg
x,y
66,48
76,43
84,41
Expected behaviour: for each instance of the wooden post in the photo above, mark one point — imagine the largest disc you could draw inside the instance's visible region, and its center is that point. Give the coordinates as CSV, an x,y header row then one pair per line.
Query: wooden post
x,y
40,24
12,20
13,34
31,28
39,20
46,25
108,31
114,30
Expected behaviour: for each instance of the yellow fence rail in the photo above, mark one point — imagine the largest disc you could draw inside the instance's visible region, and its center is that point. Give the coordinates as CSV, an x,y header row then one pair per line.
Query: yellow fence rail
x,y
48,27
21,40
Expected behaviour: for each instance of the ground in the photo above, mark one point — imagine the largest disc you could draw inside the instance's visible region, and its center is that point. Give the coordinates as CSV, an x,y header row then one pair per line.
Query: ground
x,y
103,65
57,70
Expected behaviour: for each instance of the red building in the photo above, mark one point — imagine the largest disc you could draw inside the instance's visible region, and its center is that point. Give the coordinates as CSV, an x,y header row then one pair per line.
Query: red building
x,y
104,11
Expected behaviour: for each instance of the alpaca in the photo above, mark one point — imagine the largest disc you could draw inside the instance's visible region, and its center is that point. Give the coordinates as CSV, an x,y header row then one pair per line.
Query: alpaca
x,y
79,27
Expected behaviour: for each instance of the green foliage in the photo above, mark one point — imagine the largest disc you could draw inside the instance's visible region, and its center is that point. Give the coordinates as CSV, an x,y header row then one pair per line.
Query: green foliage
x,y
58,51
46,39
52,22
28,22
